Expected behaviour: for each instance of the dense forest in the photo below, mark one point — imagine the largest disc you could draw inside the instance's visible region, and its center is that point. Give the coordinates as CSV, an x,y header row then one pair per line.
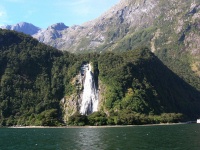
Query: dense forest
x,y
32,77
139,88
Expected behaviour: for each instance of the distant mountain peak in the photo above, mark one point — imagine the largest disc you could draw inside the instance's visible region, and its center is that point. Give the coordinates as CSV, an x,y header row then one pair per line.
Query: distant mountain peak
x,y
24,27
58,26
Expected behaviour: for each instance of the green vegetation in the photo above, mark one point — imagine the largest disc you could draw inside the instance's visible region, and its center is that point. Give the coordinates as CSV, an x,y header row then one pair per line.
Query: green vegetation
x,y
139,88
33,79
135,39
123,118
138,81
173,35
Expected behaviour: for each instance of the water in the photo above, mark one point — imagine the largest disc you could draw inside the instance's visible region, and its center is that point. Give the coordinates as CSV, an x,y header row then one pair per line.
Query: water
x,y
90,97
169,137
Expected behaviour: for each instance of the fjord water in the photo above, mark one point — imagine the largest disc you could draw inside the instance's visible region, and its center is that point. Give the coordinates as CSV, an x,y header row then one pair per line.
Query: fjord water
x,y
161,137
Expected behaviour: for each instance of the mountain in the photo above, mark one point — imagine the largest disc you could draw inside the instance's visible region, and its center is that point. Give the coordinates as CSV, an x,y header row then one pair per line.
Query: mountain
x,y
24,27
39,85
149,20
169,28
53,32
31,80
101,33
140,22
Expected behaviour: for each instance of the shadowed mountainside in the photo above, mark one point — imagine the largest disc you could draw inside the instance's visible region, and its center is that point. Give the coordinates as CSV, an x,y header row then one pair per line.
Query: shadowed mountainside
x,y
35,77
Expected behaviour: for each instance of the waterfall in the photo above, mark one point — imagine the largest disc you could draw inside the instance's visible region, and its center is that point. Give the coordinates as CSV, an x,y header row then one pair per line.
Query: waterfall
x,y
89,102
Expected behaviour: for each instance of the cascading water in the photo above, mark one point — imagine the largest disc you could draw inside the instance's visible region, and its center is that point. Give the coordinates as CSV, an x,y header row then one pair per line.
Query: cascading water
x,y
89,102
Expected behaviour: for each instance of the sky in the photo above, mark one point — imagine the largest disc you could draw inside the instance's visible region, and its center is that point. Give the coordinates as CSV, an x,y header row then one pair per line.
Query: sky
x,y
43,13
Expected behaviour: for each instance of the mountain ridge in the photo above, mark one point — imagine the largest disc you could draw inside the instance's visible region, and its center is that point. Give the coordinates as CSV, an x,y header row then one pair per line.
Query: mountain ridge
x,y
135,86
126,15
169,28
24,27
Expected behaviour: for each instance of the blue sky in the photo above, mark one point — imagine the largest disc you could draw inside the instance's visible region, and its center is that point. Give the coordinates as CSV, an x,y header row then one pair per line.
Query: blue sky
x,y
43,13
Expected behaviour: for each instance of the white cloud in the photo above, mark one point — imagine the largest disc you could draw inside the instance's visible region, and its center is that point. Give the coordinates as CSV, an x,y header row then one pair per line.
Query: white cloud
x,y
2,13
3,16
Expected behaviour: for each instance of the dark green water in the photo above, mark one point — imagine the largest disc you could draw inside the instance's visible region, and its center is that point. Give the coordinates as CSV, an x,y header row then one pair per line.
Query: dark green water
x,y
169,137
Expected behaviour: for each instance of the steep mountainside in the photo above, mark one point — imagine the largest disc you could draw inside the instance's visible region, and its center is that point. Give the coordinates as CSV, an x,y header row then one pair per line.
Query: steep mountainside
x,y
137,81
169,28
134,87
24,27
53,32
33,78
142,19
131,23
99,34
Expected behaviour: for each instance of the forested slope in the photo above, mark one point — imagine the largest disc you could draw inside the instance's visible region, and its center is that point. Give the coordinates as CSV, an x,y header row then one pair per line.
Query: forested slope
x,y
135,87
32,77
138,82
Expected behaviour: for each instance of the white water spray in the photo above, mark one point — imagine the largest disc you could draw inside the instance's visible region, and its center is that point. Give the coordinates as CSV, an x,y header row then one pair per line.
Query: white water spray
x,y
90,94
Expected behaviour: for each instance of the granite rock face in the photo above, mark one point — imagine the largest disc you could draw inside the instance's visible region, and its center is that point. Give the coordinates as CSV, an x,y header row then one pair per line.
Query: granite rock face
x,y
24,27
52,33
170,20
103,31
159,19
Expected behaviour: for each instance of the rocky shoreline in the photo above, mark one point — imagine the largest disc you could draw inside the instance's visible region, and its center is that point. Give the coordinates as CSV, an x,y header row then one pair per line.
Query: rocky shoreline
x,y
109,126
